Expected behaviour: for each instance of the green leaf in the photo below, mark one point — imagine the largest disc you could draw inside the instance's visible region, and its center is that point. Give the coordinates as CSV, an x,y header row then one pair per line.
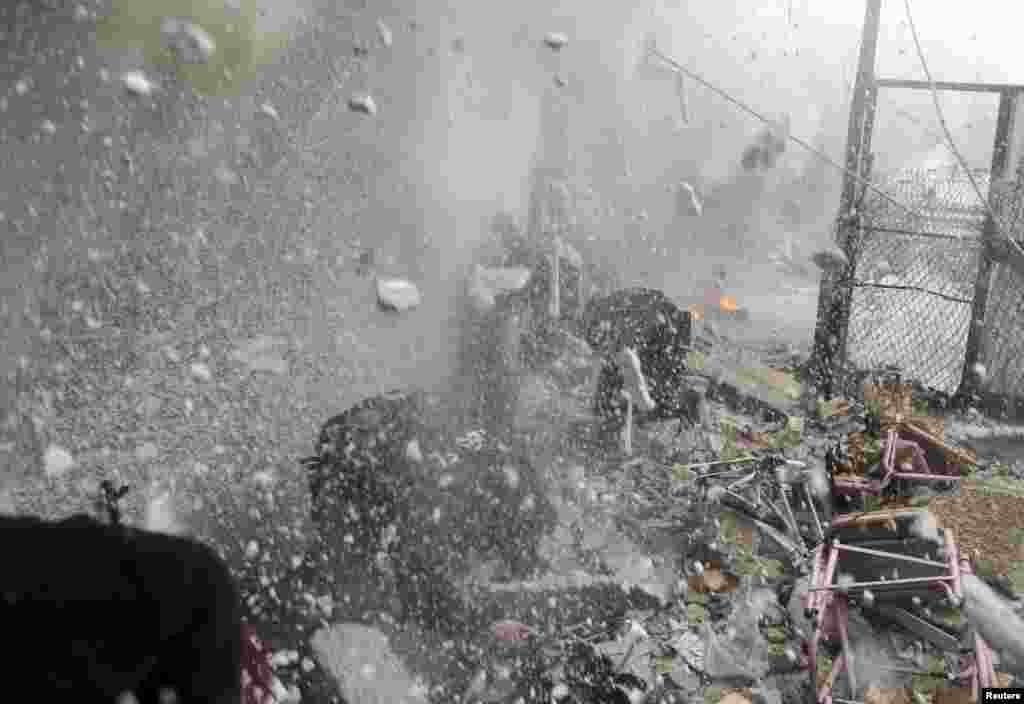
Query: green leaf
x,y
664,664
682,473
712,695
695,613
771,568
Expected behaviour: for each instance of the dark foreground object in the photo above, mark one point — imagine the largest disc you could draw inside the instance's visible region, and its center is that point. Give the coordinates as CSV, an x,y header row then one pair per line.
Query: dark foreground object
x,y
403,505
92,611
660,333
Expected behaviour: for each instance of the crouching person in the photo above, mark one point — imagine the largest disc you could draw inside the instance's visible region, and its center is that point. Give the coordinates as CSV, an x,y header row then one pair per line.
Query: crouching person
x,y
104,613
400,505
359,479
642,338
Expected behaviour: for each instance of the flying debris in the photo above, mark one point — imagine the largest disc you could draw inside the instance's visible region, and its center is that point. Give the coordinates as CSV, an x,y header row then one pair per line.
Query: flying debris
x,y
751,157
687,202
397,295
384,34
57,461
268,110
980,372
830,259
190,43
556,40
684,103
487,284
768,146
363,103
137,83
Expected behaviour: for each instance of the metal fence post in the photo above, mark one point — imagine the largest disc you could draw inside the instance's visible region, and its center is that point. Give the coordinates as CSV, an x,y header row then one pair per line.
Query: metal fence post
x,y
970,381
834,295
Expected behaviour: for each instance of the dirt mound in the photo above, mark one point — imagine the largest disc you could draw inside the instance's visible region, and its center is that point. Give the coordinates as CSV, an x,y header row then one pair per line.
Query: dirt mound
x,y
988,525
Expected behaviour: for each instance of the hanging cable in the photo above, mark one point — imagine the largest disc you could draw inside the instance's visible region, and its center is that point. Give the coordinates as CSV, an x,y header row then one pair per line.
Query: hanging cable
x,y
773,123
948,135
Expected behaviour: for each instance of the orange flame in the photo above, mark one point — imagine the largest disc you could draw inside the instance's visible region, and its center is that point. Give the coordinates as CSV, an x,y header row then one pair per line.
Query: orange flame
x,y
728,304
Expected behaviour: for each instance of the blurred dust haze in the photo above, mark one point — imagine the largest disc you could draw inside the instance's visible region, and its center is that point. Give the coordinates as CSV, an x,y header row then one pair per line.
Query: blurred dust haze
x,y
465,91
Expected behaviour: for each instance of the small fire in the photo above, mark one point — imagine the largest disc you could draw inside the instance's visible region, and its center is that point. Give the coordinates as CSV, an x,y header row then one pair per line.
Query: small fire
x,y
728,304
695,312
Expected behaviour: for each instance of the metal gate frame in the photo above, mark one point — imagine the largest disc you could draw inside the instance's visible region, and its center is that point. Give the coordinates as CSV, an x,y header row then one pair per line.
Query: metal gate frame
x,y
830,357
974,351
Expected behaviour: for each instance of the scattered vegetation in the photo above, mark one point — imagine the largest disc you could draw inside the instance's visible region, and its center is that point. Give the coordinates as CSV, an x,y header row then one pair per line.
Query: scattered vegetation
x,y
1001,485
240,47
1000,469
730,449
696,613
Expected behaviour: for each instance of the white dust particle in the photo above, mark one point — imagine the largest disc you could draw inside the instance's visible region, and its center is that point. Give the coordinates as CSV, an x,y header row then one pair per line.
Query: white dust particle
x,y
57,461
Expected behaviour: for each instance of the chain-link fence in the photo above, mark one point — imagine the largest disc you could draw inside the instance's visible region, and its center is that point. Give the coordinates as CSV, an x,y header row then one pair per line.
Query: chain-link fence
x,y
1004,319
916,269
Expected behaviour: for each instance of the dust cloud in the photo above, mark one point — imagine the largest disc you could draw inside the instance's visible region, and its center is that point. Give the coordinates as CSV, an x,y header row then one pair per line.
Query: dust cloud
x,y
482,78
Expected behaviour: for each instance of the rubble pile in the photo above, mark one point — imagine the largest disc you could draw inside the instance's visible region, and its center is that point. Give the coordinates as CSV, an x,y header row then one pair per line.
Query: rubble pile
x,y
720,628
693,586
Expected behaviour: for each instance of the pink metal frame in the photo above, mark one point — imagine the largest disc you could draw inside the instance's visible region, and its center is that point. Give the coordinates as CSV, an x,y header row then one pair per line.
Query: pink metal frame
x,y
893,443
829,606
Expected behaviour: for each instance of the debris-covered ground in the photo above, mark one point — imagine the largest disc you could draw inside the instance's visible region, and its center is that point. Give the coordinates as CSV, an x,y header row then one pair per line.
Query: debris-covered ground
x,y
204,262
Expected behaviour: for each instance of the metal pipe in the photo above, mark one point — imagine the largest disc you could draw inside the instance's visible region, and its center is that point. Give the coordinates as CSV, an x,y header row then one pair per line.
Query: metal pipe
x,y
995,621
957,567
793,525
814,512
782,518
925,477
844,638
895,556
698,465
830,569
797,552
810,599
885,583
740,482
949,85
